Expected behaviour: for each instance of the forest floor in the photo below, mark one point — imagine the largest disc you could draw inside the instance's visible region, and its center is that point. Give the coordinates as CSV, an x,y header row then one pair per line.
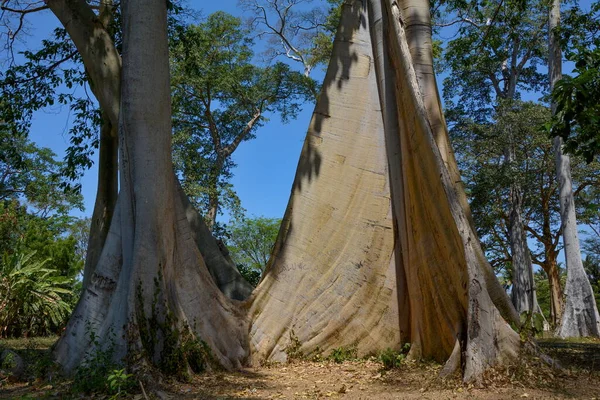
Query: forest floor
x,y
359,379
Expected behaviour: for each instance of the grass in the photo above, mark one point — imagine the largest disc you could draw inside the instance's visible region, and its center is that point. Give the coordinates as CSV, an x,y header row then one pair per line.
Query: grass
x,y
32,343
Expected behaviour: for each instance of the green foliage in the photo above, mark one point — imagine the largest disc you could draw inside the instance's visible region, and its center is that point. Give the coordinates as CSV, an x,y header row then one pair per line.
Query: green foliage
x,y
119,383
532,324
577,98
50,76
250,242
342,354
220,99
33,297
293,349
495,54
32,173
251,275
481,151
391,359
92,376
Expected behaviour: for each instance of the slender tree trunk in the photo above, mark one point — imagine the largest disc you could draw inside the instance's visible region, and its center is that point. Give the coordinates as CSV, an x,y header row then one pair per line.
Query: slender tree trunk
x,y
556,292
523,287
106,197
213,205
580,315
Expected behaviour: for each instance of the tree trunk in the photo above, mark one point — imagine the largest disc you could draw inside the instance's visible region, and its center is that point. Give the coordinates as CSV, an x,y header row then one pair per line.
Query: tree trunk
x,y
417,23
556,292
106,197
331,281
580,315
151,288
348,272
213,205
523,287
96,49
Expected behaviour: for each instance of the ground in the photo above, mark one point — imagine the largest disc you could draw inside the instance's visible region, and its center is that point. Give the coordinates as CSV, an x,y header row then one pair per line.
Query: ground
x,y
359,379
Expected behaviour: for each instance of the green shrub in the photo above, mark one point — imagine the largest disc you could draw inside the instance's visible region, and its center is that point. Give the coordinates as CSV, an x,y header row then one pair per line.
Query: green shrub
x,y
92,375
342,354
393,359
293,349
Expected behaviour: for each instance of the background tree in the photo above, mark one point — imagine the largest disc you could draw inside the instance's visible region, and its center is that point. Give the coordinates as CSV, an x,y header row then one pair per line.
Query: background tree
x,y
221,99
577,97
250,244
580,316
491,62
294,30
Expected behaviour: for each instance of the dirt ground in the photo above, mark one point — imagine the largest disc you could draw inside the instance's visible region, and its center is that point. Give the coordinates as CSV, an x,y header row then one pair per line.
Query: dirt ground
x,y
365,379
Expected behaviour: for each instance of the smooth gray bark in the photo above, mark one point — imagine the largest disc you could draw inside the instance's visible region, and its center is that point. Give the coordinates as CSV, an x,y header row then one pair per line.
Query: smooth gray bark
x,y
580,315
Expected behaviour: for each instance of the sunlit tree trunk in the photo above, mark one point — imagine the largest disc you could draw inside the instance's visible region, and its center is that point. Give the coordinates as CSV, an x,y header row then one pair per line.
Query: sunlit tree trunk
x,y
103,64
331,257
580,315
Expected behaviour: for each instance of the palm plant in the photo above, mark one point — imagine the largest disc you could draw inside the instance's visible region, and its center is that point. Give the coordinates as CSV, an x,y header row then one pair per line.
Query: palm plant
x,y
32,296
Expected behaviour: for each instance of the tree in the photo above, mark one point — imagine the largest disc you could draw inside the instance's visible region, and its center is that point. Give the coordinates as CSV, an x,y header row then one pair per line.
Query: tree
x,y
345,270
580,316
493,60
329,227
251,241
295,31
577,98
488,179
221,99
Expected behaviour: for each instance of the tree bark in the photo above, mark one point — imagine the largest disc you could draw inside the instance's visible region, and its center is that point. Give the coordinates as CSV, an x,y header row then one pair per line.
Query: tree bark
x,y
106,197
331,281
337,247
96,48
523,287
417,22
580,315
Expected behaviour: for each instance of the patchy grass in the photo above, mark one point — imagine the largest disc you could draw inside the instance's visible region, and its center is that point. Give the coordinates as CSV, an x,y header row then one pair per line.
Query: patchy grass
x,y
35,343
